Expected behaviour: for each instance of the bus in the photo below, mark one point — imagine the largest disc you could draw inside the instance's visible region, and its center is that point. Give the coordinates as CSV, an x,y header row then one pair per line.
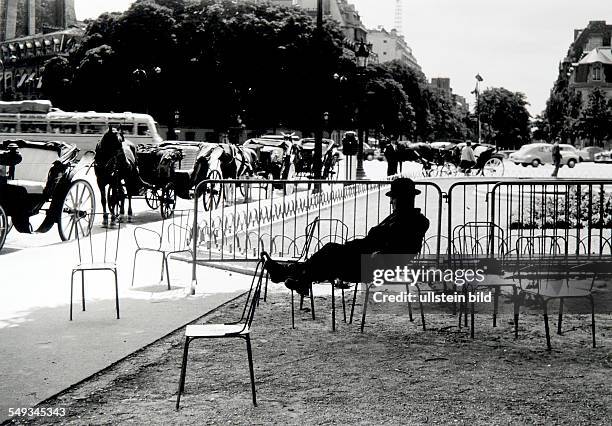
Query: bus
x,y
83,129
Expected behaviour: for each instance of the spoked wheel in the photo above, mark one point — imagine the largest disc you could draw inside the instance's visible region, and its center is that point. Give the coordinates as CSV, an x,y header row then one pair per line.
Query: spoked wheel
x,y
493,167
167,202
152,197
4,227
77,216
212,191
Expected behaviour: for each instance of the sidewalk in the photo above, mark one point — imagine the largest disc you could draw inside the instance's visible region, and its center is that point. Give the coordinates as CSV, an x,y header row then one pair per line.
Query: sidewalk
x,y
43,353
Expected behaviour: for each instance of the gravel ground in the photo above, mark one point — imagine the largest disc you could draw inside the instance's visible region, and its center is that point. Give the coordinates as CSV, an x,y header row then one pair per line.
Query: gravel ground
x,y
394,373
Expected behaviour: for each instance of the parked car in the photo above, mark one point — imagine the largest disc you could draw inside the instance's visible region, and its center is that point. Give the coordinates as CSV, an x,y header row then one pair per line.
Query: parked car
x,y
541,153
588,153
603,157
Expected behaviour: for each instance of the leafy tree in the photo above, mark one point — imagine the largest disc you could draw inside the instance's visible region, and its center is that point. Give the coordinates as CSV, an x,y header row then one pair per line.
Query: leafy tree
x,y
596,118
56,80
505,117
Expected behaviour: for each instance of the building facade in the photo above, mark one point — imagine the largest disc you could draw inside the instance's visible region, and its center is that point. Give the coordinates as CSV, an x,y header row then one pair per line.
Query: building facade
x,y
589,60
390,46
31,32
344,13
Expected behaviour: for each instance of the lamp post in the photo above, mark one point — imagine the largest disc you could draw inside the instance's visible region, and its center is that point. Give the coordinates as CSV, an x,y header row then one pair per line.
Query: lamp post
x,y
361,53
477,92
317,162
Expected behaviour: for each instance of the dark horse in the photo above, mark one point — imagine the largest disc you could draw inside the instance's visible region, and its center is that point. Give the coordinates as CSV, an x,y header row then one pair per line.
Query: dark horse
x,y
398,152
114,165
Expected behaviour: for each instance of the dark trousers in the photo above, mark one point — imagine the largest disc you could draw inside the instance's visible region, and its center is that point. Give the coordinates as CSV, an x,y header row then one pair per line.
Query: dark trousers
x,y
334,261
557,165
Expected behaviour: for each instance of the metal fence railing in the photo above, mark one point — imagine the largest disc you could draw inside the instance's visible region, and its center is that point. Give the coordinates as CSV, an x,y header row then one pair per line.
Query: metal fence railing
x,y
255,215
234,220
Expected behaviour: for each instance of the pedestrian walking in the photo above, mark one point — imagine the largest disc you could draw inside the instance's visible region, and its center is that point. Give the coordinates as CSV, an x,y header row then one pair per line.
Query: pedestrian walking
x,y
556,157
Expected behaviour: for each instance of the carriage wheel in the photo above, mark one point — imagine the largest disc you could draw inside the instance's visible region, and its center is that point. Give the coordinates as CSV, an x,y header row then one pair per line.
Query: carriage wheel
x,y
152,197
167,202
4,227
77,216
493,167
212,191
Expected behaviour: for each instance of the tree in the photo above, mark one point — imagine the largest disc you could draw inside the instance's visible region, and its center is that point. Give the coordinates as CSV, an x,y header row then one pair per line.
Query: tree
x,y
595,122
57,77
505,117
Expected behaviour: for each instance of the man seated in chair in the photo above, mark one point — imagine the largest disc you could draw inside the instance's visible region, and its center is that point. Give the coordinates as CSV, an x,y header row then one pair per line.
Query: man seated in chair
x,y
401,232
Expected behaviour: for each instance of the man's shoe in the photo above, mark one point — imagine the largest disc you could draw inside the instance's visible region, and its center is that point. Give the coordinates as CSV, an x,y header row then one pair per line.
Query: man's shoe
x,y
277,271
301,287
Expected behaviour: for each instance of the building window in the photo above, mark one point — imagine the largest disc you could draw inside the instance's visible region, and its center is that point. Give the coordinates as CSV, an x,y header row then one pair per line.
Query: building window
x,y
385,41
597,73
384,53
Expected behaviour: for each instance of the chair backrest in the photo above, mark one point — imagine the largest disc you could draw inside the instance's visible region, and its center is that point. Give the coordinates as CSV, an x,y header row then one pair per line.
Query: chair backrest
x,y
35,164
177,230
473,242
542,258
325,230
101,245
252,300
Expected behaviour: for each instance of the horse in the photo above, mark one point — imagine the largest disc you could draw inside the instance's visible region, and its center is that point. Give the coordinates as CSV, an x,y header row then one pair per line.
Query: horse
x,y
115,163
223,161
398,152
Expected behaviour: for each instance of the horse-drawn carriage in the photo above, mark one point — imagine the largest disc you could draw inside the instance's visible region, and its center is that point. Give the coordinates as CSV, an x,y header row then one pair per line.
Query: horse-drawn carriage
x,y
444,158
275,157
40,176
305,159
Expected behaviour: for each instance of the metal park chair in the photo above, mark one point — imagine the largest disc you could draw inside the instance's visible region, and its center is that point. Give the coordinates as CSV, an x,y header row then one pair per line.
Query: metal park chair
x,y
240,329
97,252
420,261
480,246
546,272
318,233
174,237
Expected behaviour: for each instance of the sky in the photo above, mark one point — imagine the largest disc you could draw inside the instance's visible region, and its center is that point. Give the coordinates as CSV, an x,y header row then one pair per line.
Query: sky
x,y
516,44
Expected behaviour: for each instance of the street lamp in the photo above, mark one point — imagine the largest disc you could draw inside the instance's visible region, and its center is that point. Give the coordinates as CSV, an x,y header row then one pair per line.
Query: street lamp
x,y
362,52
477,92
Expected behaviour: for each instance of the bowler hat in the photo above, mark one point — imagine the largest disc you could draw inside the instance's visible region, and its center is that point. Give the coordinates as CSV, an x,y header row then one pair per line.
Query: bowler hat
x,y
402,187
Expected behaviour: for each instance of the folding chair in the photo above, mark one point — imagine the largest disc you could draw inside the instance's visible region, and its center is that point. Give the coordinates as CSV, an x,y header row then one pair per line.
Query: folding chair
x,y
174,238
240,329
480,245
98,255
547,276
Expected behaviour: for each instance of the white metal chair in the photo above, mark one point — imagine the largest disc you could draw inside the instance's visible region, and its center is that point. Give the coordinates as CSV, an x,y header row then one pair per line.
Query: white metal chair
x,y
240,329
173,238
98,255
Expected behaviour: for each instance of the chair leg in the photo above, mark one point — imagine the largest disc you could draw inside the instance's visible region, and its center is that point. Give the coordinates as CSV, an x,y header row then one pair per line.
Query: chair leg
x,y
365,306
495,305
422,311
312,308
343,306
593,319
517,304
546,328
167,270
83,289
353,303
301,302
116,292
560,316
472,309
265,298
163,263
181,387
333,306
71,291
134,266
409,304
292,310
250,355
